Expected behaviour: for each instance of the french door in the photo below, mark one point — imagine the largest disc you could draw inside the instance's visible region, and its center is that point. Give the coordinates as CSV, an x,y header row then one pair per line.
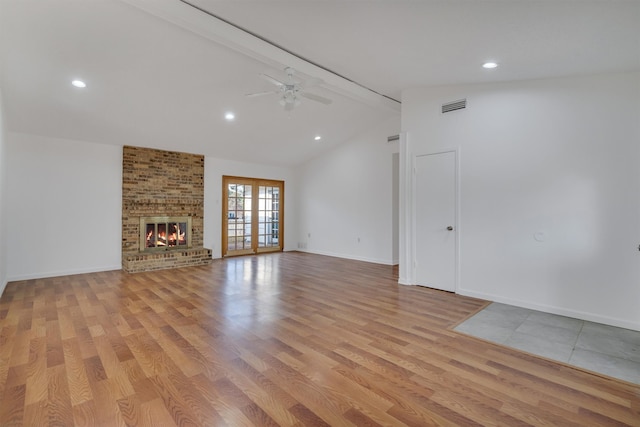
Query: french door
x,y
252,216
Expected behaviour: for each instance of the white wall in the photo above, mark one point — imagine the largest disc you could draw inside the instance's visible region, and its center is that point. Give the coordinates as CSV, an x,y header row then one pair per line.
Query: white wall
x,y
67,196
3,201
557,156
64,203
347,194
214,169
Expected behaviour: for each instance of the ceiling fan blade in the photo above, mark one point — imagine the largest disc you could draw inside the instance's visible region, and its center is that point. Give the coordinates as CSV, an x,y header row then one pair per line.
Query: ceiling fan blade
x,y
272,80
316,98
312,83
252,95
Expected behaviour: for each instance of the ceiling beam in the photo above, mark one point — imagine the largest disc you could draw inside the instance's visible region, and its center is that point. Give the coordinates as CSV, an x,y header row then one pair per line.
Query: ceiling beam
x,y
221,32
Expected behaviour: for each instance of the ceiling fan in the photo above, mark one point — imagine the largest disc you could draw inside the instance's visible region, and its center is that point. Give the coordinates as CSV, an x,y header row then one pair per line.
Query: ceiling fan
x,y
291,90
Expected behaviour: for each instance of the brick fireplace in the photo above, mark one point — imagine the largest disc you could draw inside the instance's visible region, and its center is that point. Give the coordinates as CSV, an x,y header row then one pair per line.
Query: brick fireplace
x,y
162,203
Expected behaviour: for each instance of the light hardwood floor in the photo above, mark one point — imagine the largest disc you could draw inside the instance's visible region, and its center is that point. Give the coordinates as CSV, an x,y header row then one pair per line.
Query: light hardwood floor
x,y
286,339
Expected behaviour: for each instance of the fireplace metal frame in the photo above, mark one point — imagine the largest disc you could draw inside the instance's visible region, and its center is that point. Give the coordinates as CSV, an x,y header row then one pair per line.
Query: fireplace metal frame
x,y
166,220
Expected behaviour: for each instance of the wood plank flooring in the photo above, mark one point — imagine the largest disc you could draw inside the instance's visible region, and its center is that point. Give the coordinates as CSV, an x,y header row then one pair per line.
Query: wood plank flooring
x,y
286,339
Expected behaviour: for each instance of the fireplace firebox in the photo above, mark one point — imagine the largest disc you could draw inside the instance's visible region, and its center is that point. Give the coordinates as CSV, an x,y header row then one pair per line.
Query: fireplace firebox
x,y
161,233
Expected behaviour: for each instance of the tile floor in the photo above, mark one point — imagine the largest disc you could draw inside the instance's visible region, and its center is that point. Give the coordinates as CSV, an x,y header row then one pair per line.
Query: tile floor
x,y
605,349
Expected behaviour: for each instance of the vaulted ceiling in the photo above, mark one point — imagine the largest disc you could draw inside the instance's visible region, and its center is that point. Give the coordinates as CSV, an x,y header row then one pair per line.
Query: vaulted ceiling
x,y
162,73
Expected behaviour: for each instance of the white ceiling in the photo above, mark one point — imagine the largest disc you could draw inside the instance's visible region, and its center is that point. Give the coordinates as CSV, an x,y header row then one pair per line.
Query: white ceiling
x,y
162,73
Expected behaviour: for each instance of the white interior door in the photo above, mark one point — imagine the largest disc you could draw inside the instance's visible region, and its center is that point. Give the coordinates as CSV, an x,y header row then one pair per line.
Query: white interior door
x,y
435,221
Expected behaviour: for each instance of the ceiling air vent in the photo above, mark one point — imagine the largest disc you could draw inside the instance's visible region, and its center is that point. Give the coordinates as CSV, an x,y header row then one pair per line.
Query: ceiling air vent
x,y
453,106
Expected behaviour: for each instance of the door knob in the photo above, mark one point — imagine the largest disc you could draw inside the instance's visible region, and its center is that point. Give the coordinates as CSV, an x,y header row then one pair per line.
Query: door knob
x,y
450,228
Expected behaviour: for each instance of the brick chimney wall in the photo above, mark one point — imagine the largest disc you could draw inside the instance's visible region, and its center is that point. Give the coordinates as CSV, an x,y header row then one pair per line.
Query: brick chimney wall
x,y
161,183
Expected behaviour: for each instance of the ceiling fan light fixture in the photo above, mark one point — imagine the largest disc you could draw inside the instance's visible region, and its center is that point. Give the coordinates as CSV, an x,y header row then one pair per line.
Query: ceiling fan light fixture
x,y
289,98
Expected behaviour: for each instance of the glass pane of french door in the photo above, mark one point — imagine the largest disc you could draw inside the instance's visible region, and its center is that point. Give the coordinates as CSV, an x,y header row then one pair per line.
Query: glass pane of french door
x,y
238,218
252,216
268,216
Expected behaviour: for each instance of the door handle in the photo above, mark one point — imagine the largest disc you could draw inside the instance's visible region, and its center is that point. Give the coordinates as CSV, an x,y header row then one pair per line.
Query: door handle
x,y
450,228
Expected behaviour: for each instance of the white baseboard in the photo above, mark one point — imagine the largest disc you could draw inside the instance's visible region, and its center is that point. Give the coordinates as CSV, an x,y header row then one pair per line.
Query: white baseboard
x,y
49,274
561,311
348,256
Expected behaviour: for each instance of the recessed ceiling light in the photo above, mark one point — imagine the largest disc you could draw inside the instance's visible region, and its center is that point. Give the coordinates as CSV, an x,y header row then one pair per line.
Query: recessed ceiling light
x,y
79,83
489,65
317,138
229,116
